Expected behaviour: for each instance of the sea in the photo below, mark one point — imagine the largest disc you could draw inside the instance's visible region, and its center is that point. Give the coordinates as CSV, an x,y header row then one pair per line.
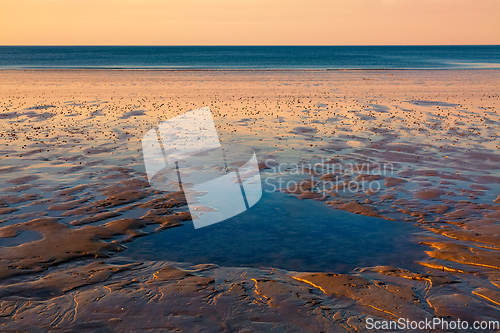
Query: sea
x,y
250,57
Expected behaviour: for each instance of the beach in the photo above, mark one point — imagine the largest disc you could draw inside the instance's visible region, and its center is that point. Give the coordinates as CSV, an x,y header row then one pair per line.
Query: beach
x,y
399,170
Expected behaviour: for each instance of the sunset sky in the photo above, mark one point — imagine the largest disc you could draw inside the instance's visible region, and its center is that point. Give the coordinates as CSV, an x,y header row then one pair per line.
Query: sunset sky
x,y
249,22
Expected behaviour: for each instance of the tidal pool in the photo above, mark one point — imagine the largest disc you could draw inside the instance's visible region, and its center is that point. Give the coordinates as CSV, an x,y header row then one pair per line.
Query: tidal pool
x,y
283,232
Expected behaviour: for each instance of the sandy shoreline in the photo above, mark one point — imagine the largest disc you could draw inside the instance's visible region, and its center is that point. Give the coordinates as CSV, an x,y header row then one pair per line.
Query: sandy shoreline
x,y
236,70
71,174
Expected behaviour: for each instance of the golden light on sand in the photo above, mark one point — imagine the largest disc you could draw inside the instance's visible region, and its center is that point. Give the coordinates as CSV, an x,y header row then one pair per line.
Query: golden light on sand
x,y
78,218
245,22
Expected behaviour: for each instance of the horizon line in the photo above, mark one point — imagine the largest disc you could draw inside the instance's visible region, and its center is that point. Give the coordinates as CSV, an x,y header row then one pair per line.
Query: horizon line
x,y
246,45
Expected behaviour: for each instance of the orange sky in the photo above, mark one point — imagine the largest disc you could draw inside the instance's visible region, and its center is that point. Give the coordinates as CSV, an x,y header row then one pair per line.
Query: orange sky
x,y
248,22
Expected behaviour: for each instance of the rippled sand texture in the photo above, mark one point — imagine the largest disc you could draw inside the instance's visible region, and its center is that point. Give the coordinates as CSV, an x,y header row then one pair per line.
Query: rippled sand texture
x,y
74,187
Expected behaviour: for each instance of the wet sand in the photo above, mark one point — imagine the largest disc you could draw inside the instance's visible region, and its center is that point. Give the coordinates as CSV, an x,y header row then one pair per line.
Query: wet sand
x,y
74,194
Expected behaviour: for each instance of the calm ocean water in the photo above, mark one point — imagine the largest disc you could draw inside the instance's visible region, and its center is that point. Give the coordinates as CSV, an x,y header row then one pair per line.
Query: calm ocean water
x,y
251,57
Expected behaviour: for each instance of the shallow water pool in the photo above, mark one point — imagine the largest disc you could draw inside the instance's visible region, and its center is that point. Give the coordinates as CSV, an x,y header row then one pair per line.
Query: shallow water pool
x,y
283,232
